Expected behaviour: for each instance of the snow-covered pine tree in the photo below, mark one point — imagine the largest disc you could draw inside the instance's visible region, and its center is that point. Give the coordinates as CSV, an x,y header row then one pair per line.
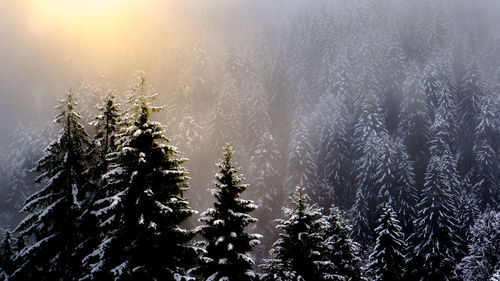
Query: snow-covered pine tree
x,y
468,211
224,126
141,212
301,167
486,152
361,230
107,125
299,252
372,148
341,250
7,265
30,139
406,194
387,261
436,240
469,92
414,121
334,157
267,189
483,255
258,121
52,226
226,247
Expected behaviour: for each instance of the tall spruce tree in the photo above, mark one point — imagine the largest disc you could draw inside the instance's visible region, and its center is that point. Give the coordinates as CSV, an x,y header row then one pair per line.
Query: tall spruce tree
x,y
267,189
436,240
53,221
107,124
406,194
226,246
341,250
486,153
388,257
299,252
141,212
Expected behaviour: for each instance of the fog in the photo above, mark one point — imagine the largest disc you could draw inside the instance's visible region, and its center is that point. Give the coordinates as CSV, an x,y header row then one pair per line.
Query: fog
x,y
271,77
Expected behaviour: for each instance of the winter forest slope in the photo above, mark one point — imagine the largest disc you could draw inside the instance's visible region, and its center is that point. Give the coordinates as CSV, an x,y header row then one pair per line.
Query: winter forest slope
x,y
361,102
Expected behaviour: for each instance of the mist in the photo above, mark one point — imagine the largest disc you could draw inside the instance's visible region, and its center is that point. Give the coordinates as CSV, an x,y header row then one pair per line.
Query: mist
x,y
303,90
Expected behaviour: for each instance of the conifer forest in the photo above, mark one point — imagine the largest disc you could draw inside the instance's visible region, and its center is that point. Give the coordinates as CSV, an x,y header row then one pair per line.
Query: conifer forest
x,y
250,140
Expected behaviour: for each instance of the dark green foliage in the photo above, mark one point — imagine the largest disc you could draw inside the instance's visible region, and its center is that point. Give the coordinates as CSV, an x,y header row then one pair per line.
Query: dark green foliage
x,y
226,246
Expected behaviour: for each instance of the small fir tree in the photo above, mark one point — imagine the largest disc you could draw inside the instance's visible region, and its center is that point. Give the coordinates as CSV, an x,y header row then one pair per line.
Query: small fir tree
x,y
226,246
388,256
341,250
299,252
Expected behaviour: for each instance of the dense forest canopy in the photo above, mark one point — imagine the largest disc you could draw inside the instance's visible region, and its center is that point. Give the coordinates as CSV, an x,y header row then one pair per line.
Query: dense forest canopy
x,y
385,113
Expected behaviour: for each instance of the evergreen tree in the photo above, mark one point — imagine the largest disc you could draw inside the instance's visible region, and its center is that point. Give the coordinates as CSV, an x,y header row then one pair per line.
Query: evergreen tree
x,y
7,265
224,124
227,246
469,93
141,212
361,228
486,152
406,194
300,166
107,125
53,222
373,177
341,251
436,232
299,252
334,155
268,189
481,261
414,122
388,257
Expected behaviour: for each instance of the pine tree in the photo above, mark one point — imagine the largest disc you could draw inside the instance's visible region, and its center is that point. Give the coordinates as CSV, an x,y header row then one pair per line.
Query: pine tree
x,y
300,165
141,212
436,232
361,228
334,157
267,189
414,121
342,251
406,194
224,124
388,257
53,223
226,246
7,265
470,90
486,152
483,254
107,125
299,252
